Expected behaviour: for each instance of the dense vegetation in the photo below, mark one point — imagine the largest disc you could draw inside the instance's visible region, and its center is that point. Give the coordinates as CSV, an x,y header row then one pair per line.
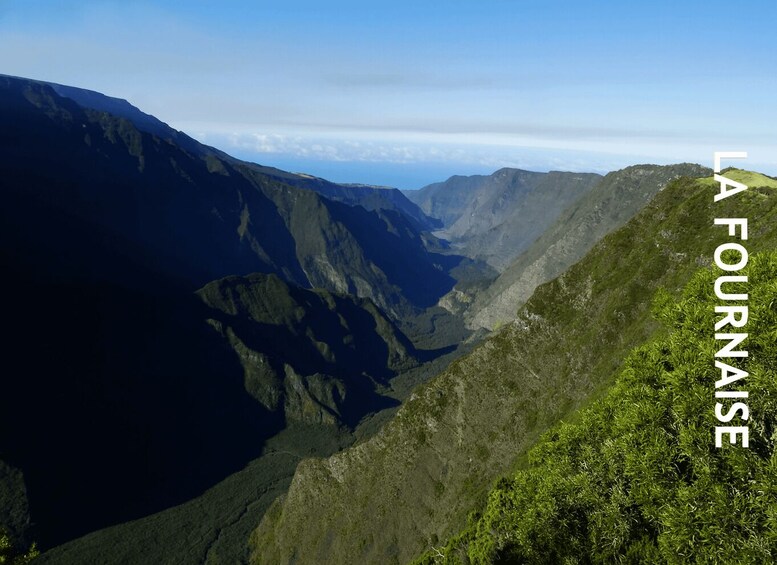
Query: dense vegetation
x,y
10,554
636,478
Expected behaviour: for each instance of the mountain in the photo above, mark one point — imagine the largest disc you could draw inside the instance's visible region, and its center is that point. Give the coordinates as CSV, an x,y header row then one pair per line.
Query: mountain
x,y
315,355
368,196
311,358
184,328
214,216
435,462
135,262
634,477
610,204
496,217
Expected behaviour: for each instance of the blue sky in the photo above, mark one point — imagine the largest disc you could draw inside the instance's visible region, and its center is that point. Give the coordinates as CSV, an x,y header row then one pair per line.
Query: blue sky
x,y
405,93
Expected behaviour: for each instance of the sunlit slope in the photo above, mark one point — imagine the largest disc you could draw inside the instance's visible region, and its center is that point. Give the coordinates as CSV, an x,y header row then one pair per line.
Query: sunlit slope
x,y
394,496
637,478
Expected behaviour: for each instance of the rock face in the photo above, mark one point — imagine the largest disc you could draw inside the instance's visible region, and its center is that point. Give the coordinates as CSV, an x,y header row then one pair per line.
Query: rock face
x,y
315,356
368,196
201,215
609,205
496,217
434,463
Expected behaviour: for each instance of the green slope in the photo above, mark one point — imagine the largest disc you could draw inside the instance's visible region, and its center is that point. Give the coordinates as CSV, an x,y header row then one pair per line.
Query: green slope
x,y
637,478
435,461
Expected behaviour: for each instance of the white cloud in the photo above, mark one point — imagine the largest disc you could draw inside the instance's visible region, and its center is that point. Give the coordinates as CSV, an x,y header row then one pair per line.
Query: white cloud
x,y
407,149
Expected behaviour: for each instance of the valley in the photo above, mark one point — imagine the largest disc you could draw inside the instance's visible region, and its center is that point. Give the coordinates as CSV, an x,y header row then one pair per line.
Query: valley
x,y
217,361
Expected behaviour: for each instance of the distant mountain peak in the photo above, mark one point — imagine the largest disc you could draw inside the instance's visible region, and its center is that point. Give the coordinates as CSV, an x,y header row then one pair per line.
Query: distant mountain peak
x,y
495,217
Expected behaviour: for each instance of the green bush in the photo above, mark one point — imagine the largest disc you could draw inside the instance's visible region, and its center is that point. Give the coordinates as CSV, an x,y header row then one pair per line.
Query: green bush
x,y
10,554
637,478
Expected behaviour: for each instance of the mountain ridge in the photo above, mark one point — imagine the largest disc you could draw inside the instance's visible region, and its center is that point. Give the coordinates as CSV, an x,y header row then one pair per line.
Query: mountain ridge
x,y
370,196
495,217
315,355
201,323
609,205
271,220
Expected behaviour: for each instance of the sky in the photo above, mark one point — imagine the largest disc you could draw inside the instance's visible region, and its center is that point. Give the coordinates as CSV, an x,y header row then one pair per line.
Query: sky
x,y
405,93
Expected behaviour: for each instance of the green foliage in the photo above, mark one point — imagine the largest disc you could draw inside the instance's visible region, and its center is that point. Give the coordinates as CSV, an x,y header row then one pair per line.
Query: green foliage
x,y
10,554
637,478
749,178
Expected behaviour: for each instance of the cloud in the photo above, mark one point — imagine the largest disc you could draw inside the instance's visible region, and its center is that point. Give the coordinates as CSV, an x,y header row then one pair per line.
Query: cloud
x,y
332,149
267,147
381,157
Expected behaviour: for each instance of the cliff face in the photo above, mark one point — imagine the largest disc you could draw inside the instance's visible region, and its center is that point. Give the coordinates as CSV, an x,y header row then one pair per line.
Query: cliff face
x,y
496,217
610,204
642,475
198,214
315,356
421,475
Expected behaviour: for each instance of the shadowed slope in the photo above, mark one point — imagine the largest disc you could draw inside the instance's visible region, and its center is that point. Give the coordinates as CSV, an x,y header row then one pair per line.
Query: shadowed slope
x,y
119,399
